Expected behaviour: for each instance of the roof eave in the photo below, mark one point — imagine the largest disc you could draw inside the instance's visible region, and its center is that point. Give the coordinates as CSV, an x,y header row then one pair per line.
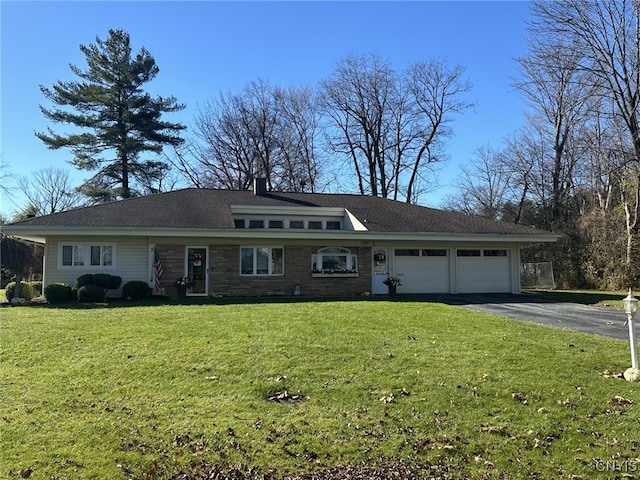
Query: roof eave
x,y
41,233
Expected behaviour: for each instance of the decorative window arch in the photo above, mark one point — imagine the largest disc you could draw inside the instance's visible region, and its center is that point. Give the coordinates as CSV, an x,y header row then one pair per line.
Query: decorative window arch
x,y
332,260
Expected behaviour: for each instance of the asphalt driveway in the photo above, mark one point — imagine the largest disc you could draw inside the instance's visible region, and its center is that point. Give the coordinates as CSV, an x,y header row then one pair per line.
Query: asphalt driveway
x,y
604,321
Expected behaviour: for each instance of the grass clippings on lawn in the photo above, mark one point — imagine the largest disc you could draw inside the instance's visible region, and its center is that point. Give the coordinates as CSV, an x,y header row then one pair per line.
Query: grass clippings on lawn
x,y
176,391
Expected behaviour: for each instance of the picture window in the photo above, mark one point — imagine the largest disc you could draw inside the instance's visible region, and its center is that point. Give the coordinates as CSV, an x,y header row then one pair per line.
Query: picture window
x,y
262,261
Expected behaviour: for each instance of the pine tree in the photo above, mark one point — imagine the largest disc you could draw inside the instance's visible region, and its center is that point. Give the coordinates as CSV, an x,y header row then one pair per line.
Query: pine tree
x,y
116,121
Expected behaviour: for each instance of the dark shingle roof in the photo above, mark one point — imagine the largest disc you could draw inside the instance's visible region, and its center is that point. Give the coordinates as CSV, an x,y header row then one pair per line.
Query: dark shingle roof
x,y
211,209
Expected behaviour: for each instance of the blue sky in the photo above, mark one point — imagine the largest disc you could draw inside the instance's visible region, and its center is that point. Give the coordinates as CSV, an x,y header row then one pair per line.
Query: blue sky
x,y
204,47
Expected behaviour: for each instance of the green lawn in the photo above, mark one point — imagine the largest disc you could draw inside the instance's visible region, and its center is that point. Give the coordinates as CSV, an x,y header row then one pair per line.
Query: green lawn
x,y
150,391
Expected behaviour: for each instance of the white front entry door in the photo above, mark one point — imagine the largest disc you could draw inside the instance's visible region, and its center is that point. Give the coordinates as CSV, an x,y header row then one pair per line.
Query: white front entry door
x,y
380,271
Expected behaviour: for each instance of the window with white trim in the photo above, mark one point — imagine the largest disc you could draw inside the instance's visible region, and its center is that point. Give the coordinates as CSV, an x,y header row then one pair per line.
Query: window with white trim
x,y
261,261
334,260
87,255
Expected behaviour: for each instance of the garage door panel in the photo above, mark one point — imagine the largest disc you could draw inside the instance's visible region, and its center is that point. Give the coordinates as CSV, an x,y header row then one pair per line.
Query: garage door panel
x,y
483,274
422,274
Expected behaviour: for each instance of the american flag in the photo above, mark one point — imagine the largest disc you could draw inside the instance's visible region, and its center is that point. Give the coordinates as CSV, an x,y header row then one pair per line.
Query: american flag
x,y
158,269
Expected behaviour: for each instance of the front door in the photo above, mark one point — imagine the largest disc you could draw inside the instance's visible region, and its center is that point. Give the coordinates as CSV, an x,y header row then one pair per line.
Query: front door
x,y
196,269
380,270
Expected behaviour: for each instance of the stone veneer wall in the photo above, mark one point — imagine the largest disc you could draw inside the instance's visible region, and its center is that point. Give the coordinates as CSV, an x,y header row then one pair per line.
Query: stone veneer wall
x,y
225,278
172,257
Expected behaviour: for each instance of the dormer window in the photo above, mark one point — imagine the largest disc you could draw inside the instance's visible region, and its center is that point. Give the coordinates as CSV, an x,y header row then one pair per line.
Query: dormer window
x,y
296,223
256,223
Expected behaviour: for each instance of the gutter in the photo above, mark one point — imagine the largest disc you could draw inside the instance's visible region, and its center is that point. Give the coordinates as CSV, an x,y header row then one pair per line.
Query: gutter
x,y
40,234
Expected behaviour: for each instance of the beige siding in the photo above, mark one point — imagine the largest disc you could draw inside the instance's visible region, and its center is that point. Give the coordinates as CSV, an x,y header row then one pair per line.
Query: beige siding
x,y
131,261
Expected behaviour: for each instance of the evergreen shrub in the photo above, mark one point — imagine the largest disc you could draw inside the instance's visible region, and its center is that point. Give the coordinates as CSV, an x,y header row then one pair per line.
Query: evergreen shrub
x,y
91,294
103,280
58,293
26,291
37,288
135,290
116,281
86,279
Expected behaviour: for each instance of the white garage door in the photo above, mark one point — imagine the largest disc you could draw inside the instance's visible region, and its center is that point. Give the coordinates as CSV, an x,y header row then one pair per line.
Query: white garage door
x,y
483,271
422,270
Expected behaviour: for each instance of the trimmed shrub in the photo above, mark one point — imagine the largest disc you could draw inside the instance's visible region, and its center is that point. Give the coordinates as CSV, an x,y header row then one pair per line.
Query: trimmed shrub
x,y
135,290
26,291
115,282
91,294
37,288
86,279
103,280
58,293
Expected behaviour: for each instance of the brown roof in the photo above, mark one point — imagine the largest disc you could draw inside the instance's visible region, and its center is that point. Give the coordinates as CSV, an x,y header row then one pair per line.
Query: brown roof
x,y
211,209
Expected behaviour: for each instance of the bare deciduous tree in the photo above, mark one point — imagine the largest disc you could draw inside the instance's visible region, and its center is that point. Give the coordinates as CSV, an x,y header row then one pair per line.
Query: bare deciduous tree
x,y
50,191
559,92
264,131
484,185
392,126
360,97
608,34
438,91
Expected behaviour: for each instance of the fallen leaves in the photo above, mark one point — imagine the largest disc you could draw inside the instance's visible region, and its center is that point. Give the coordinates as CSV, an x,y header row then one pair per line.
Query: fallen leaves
x,y
387,398
619,401
520,397
565,403
286,397
498,429
26,472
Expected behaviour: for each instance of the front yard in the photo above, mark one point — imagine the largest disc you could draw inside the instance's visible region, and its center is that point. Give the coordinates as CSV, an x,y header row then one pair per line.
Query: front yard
x,y
276,389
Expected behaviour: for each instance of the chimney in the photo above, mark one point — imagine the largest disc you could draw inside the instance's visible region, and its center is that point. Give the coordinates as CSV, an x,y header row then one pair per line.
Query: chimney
x,y
260,186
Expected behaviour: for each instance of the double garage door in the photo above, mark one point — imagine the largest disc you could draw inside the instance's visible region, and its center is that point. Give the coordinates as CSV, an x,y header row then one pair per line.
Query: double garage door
x,y
425,270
